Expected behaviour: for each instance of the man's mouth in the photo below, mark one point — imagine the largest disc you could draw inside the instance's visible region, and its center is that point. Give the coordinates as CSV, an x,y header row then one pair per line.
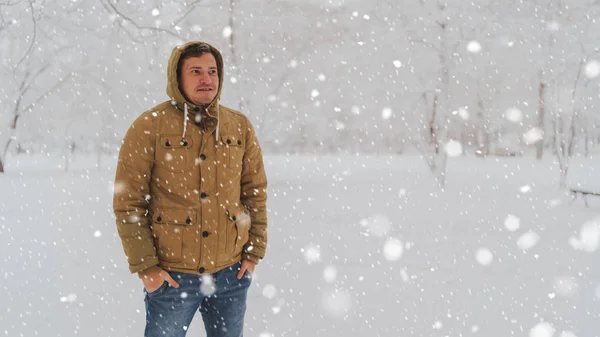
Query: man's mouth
x,y
205,89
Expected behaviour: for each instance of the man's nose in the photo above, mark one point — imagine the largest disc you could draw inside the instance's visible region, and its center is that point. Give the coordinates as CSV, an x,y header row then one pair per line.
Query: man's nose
x,y
205,78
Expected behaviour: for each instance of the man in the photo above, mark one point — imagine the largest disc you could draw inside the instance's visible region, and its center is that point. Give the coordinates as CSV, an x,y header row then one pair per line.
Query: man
x,y
190,201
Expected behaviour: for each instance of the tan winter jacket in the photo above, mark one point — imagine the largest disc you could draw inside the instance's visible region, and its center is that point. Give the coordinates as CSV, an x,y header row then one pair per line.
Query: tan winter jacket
x,y
187,200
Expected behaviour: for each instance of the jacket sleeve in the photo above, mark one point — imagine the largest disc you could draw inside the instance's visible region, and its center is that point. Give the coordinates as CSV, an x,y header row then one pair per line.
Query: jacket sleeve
x,y
254,197
131,194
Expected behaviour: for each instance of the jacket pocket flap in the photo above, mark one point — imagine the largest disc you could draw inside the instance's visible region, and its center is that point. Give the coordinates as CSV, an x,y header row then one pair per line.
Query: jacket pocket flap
x,y
173,141
239,214
232,140
174,217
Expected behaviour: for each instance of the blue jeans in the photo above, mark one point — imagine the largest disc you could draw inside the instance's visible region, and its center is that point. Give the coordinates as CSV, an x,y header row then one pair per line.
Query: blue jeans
x,y
220,298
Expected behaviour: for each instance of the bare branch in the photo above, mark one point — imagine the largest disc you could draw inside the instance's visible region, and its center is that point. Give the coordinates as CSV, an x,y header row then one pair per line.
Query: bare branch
x,y
32,39
2,24
43,96
26,88
192,7
425,43
131,21
10,4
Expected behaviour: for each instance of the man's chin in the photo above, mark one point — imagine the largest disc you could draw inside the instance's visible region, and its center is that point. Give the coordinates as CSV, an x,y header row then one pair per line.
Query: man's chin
x,y
202,101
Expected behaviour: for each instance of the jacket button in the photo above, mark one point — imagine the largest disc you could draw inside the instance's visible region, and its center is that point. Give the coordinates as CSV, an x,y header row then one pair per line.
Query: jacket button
x,y
196,109
184,142
159,219
202,156
233,218
239,142
228,141
205,234
203,195
201,270
188,221
168,143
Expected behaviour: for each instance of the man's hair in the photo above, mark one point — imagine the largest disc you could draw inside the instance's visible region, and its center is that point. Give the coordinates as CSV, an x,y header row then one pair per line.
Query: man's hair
x,y
196,50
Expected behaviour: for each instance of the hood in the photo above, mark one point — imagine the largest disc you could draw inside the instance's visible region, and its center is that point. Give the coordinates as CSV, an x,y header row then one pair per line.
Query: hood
x,y
173,84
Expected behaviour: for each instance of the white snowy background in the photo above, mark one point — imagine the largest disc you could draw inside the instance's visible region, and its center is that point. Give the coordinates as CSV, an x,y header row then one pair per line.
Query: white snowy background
x,y
417,184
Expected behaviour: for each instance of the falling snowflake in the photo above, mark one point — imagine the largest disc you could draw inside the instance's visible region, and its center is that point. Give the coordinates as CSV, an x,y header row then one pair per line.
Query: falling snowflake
x,y
269,291
542,329
514,115
528,240
525,189
589,237
227,32
393,249
265,334
463,113
69,298
329,274
404,275
453,148
484,256
592,69
474,47
386,113
553,26
207,287
312,253
512,223
532,136
567,334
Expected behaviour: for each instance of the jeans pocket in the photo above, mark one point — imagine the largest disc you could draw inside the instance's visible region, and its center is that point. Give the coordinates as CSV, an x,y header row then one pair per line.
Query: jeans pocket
x,y
159,291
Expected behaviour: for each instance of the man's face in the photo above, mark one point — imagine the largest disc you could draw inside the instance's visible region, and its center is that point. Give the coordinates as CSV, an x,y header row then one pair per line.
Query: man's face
x,y
199,79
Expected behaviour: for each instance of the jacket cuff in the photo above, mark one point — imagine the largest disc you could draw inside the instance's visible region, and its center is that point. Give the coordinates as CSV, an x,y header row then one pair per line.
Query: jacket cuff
x,y
150,270
253,258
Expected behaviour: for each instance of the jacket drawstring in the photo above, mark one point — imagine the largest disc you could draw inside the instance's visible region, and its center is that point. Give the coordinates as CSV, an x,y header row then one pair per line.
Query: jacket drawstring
x,y
201,119
217,133
185,119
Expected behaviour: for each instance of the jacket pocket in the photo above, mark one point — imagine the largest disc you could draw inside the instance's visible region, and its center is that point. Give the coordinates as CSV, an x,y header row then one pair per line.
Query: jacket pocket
x,y
174,155
238,226
233,147
169,228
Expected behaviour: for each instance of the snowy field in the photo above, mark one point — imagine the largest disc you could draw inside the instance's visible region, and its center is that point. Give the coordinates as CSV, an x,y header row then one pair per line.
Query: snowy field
x,y
358,246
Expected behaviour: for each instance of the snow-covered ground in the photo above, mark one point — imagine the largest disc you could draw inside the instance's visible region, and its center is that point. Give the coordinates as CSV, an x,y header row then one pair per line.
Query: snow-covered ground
x,y
358,246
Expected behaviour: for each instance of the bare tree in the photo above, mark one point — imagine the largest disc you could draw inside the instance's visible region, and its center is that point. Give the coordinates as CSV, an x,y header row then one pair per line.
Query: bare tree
x,y
26,69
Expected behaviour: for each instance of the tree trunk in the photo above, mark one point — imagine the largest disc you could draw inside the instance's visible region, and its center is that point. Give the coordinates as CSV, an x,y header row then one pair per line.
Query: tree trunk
x,y
482,137
432,124
539,150
587,141
234,55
